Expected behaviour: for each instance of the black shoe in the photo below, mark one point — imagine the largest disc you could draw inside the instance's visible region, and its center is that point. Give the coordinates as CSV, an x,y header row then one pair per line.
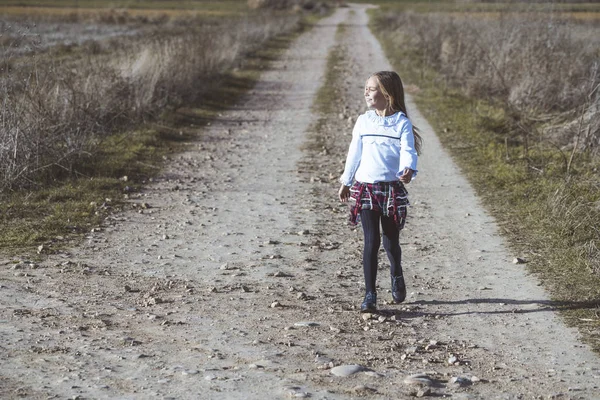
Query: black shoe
x,y
370,303
398,289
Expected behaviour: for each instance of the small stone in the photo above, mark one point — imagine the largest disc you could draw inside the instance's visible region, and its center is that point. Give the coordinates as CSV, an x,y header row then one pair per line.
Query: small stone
x,y
189,372
347,370
418,380
304,232
151,301
423,392
518,260
366,316
306,323
362,389
129,289
452,359
460,381
300,395
323,360
210,377
373,374
276,304
556,396
260,364
302,296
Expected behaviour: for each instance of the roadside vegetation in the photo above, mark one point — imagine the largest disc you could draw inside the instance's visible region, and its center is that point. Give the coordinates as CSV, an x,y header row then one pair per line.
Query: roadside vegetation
x,y
515,96
94,100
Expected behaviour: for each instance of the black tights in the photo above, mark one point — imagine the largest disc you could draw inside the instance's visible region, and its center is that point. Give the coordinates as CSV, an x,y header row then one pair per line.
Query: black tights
x,y
391,243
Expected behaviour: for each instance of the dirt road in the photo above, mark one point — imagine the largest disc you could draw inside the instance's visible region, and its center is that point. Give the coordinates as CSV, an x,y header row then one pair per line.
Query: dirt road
x,y
234,275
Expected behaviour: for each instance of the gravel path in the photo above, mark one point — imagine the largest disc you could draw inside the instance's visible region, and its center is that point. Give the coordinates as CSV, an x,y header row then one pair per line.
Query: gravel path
x,y
234,276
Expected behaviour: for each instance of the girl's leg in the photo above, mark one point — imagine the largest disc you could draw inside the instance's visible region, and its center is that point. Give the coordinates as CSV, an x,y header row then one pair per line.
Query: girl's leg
x,y
370,225
391,244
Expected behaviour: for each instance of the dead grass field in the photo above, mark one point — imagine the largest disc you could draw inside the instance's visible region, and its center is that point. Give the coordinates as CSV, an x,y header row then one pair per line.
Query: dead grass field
x,y
92,95
223,6
119,14
515,95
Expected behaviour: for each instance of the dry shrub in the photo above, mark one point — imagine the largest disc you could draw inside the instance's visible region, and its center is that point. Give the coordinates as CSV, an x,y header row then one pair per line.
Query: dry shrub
x,y
534,64
53,115
49,120
572,213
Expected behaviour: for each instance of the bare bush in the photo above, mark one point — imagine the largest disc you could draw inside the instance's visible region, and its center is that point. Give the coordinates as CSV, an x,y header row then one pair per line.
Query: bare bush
x,y
533,63
53,114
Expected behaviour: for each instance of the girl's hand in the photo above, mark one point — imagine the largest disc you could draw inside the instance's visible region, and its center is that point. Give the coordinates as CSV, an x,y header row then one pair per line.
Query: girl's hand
x,y
406,176
344,193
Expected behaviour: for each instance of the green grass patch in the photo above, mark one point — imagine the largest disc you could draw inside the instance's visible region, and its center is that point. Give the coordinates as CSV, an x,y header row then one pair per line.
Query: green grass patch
x,y
328,96
329,93
62,210
549,214
328,101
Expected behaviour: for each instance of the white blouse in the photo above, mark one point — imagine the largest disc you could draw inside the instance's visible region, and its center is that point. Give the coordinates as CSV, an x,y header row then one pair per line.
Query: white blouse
x,y
380,150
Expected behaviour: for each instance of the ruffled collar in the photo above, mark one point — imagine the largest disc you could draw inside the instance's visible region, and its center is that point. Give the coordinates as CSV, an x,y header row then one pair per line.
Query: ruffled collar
x,y
389,120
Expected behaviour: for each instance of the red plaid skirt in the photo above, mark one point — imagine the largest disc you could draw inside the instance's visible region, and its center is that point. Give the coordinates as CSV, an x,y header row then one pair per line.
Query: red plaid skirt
x,y
389,198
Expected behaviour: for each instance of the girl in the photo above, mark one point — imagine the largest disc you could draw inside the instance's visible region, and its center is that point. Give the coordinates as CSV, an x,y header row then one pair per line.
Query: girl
x,y
382,158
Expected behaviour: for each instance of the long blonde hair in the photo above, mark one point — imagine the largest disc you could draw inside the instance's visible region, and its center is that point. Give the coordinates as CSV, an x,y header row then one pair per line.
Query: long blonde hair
x,y
392,89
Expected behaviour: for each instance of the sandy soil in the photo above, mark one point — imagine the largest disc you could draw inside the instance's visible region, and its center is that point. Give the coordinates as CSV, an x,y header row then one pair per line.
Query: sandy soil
x,y
234,275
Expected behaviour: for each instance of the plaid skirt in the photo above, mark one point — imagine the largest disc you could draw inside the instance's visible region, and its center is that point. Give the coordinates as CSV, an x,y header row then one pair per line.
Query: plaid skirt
x,y
388,198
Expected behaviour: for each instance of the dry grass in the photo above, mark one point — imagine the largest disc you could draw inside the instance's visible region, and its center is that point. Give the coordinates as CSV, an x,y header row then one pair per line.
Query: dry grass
x,y
55,113
102,111
534,65
591,16
516,99
110,15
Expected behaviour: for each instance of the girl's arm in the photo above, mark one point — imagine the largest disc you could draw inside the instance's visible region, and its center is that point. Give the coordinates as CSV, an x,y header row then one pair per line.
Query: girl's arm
x,y
354,155
407,168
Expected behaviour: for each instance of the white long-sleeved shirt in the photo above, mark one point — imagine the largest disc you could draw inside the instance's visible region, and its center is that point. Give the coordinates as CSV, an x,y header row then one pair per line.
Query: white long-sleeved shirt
x,y
380,150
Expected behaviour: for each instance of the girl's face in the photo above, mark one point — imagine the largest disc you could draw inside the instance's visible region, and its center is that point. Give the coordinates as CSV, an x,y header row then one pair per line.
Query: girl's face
x,y
373,95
